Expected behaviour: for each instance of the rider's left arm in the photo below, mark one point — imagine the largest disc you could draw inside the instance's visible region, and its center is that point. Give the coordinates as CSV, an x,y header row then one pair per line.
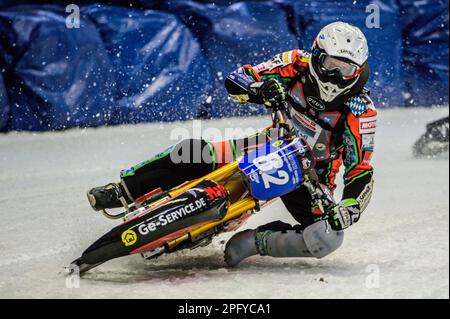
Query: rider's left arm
x,y
358,139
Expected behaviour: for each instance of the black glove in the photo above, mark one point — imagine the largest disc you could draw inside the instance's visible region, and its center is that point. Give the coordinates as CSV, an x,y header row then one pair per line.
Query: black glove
x,y
270,92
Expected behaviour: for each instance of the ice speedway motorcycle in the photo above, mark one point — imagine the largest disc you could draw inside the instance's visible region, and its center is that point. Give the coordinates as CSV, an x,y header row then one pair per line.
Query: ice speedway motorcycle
x,y
191,214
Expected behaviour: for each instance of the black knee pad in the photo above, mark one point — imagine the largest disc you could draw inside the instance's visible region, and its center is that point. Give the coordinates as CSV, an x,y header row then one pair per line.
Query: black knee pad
x,y
276,226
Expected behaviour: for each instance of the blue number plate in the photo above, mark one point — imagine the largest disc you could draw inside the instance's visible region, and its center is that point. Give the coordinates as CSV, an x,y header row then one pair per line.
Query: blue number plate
x,y
273,169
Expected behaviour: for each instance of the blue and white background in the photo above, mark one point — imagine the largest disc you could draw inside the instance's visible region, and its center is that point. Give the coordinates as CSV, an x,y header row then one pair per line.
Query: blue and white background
x,y
144,61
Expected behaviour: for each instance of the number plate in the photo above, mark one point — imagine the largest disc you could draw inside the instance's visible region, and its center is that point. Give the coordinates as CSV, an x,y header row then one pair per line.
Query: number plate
x,y
273,169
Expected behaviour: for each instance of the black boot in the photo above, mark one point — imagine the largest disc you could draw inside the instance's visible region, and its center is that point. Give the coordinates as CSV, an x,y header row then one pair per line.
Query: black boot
x,y
107,196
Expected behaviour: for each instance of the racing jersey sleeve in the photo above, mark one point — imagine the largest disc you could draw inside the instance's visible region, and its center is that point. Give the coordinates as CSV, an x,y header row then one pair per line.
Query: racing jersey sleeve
x,y
283,66
358,146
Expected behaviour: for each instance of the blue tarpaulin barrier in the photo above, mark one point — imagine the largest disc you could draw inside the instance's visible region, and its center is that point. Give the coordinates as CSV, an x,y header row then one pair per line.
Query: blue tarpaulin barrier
x,y
165,61
121,66
160,70
57,77
234,35
424,26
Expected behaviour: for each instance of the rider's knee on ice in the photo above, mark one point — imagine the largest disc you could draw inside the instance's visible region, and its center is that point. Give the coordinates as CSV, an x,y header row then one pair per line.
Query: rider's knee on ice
x,y
317,240
321,240
287,244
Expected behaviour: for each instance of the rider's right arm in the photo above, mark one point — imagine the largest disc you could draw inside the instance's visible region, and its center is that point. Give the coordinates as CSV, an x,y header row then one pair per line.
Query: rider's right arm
x,y
282,67
238,84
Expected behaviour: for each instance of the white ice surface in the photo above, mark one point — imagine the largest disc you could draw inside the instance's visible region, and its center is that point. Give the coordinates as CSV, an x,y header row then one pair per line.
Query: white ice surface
x,y
46,222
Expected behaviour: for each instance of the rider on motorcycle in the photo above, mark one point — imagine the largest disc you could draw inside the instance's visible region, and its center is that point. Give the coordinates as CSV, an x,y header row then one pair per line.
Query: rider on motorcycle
x,y
330,108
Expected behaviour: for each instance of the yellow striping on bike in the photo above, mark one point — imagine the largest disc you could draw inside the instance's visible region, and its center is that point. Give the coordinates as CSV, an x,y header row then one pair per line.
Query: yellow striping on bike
x,y
218,175
234,211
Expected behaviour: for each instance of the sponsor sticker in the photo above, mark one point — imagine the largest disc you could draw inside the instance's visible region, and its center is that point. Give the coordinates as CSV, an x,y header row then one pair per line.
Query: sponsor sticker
x,y
367,125
365,196
262,66
254,177
306,163
241,98
367,157
306,128
320,147
277,143
315,103
276,61
168,218
129,237
287,57
368,142
309,125
348,52
215,192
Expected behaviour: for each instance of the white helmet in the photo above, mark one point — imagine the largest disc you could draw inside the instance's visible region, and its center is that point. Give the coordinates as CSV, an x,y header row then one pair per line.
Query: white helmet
x,y
339,60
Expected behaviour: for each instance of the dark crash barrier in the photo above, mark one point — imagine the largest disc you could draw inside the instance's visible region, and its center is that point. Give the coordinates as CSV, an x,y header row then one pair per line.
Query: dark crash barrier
x,y
165,61
4,105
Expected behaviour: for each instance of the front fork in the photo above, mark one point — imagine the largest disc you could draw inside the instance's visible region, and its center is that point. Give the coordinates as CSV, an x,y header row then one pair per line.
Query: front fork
x,y
322,200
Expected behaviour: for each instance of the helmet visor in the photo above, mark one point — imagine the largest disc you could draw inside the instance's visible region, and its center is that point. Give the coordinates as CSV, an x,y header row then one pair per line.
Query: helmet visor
x,y
347,70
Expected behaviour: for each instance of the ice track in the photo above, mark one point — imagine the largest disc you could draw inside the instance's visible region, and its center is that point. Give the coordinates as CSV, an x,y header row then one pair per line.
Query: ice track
x,y
399,249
